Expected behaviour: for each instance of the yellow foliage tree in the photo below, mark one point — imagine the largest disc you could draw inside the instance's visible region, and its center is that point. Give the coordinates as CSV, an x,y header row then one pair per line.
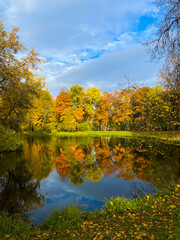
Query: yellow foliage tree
x,y
18,85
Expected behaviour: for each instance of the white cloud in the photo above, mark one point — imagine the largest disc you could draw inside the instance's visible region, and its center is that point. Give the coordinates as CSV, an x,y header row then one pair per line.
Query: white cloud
x,y
107,71
87,42
73,24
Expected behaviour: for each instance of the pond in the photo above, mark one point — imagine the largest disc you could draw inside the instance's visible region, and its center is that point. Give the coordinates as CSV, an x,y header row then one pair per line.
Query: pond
x,y
53,172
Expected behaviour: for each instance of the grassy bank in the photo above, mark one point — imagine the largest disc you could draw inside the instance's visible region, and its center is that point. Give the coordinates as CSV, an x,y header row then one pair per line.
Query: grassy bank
x,y
172,137
149,217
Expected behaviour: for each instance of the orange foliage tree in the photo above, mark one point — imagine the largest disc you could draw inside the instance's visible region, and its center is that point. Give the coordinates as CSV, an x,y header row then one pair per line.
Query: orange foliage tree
x,y
103,114
122,108
62,103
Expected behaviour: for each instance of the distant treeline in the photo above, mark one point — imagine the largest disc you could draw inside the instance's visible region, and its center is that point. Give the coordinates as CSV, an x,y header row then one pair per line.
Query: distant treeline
x,y
133,108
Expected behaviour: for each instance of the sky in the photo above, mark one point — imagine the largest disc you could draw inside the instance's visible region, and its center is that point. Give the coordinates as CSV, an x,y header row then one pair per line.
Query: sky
x,y
92,43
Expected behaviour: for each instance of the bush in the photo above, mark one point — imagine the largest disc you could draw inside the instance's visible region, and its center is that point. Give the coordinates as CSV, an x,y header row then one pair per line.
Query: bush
x,y
10,140
66,127
38,129
50,128
84,126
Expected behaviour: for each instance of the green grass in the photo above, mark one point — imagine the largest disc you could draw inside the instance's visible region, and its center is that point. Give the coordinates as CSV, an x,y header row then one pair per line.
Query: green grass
x,y
148,217
15,228
58,220
88,133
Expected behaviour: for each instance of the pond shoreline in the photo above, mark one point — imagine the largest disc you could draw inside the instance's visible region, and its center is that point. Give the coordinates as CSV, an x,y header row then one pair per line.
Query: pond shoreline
x,y
15,142
168,137
148,217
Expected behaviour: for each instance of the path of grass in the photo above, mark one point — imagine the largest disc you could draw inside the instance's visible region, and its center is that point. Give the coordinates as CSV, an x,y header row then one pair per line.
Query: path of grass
x,y
149,217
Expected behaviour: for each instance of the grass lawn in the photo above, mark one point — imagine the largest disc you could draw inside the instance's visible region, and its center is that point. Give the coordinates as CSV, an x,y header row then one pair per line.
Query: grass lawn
x,y
149,217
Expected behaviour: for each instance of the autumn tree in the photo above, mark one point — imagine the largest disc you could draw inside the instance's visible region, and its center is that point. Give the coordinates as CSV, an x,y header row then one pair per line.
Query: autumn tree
x,y
62,103
79,114
122,108
139,102
103,114
18,85
65,112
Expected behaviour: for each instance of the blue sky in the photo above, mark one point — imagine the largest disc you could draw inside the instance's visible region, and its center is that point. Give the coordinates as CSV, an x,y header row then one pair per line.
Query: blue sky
x,y
92,43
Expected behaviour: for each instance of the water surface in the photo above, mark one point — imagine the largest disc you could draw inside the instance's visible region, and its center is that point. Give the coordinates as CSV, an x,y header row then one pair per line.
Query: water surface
x,y
53,172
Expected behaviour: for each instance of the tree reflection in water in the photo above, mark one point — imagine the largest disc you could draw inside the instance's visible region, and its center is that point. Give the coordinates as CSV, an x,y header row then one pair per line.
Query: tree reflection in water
x,y
145,160
18,189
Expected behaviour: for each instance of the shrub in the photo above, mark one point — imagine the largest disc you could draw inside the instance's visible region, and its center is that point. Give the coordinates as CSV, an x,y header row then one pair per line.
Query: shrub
x,y
67,127
84,126
9,140
50,128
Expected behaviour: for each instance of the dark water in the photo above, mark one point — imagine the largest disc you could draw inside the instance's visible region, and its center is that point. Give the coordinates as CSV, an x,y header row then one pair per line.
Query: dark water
x,y
54,172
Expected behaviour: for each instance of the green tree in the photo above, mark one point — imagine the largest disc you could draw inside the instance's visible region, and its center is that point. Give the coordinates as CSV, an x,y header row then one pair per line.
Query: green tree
x,y
157,109
69,122
42,111
77,94
93,96
139,102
